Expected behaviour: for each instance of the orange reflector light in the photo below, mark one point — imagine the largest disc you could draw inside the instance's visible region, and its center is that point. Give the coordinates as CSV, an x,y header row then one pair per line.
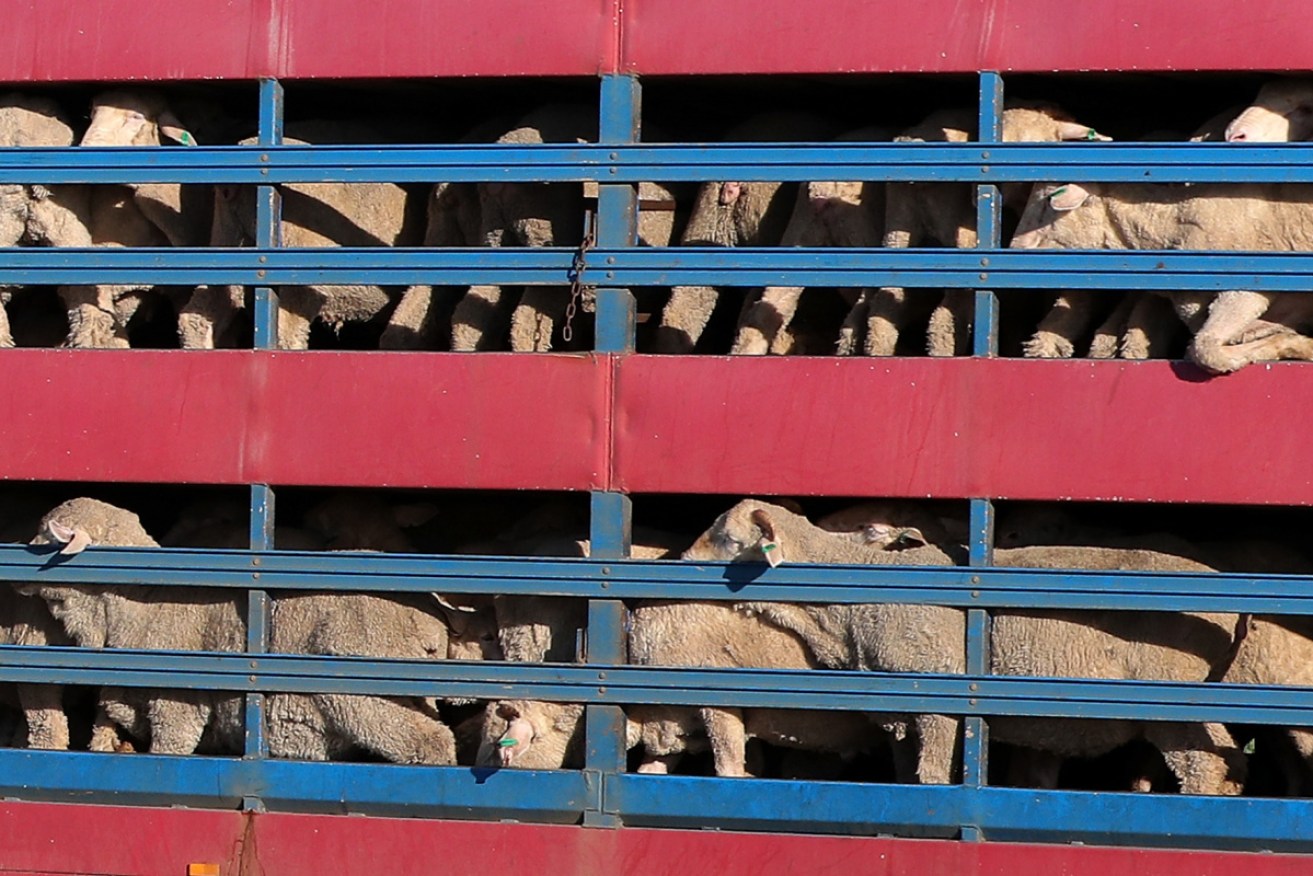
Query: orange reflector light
x,y
202,870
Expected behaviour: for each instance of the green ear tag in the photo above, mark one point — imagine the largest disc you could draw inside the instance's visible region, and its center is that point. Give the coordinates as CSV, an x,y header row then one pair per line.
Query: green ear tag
x,y
1091,134
186,139
508,743
772,551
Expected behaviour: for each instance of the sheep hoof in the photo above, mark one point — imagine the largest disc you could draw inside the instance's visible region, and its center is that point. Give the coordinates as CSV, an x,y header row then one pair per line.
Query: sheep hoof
x,y
1047,345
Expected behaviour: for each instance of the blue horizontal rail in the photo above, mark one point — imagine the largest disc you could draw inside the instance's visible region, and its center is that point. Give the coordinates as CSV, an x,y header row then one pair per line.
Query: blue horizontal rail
x,y
661,801
897,693
976,587
744,162
668,266
220,782
937,811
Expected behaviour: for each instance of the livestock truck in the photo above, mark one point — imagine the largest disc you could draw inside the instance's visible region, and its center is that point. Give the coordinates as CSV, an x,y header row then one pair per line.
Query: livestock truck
x,y
602,440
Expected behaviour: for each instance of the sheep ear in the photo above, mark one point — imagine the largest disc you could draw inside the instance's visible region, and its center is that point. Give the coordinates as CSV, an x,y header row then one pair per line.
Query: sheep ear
x,y
507,712
763,522
1074,131
910,537
448,604
1068,197
80,542
414,514
172,128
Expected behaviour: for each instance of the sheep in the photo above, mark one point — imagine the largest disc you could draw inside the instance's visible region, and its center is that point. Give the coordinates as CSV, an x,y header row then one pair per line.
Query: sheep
x,y
196,619
25,620
825,214
136,215
1279,651
1281,112
37,214
525,214
732,214
945,214
226,524
1230,329
1139,326
314,215
920,638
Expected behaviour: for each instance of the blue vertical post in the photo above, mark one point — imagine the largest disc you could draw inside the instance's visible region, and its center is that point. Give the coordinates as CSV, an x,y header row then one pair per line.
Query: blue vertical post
x,y
975,748
268,228
611,513
268,210
988,213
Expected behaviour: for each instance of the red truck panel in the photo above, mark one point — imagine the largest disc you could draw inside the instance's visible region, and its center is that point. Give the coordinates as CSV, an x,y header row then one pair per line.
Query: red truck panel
x,y
785,36
1003,428
364,419
67,838
245,39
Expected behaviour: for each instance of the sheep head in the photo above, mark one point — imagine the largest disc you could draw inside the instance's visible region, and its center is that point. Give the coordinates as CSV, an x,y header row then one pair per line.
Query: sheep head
x,y
748,532
133,117
1282,112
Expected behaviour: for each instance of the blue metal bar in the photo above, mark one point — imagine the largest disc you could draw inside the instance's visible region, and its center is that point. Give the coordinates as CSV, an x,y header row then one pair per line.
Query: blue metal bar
x,y
653,266
268,215
989,233
374,789
975,748
898,693
937,162
658,579
617,212
935,811
257,615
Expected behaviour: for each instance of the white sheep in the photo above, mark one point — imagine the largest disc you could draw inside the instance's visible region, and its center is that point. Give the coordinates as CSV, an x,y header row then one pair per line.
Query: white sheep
x,y
921,638
825,214
1230,329
732,214
918,214
1281,112
199,619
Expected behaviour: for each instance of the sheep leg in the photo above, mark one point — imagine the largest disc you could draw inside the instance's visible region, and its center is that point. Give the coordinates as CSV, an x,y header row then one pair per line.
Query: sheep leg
x,y
949,331
43,706
176,725
535,319
414,324
6,336
851,333
92,322
886,315
937,738
1203,757
1056,336
477,320
1229,316
659,764
1148,330
391,728
1108,336
685,318
729,740
297,308
207,314
766,319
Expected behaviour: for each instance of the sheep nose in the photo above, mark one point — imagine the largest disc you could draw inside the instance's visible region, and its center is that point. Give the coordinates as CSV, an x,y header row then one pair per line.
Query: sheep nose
x,y
1236,136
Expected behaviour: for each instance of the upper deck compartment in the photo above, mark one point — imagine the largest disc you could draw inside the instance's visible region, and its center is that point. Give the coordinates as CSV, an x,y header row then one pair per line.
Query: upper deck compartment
x,y
79,40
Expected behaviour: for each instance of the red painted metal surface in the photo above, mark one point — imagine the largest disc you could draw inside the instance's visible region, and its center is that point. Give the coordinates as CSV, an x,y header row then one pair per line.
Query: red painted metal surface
x,y
245,39
483,421
51,838
1015,429
783,36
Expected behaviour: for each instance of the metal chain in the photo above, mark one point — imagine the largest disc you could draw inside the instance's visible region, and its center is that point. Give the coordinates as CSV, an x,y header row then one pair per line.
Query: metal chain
x,y
577,268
